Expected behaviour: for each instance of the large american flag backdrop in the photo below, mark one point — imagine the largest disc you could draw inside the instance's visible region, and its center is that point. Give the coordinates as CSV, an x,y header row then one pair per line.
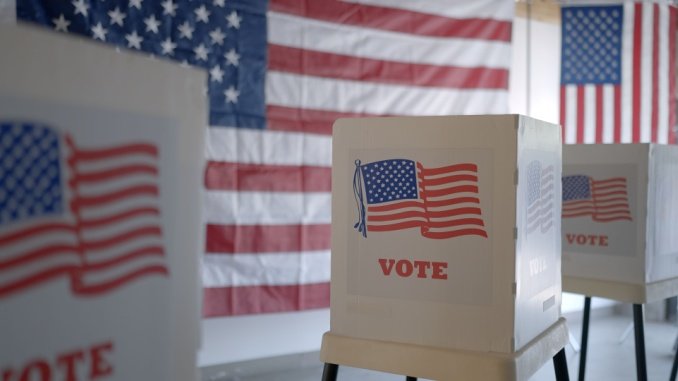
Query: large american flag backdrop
x,y
618,73
280,73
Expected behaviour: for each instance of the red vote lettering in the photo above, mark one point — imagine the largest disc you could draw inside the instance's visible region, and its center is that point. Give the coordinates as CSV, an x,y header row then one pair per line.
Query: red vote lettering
x,y
406,268
586,239
64,366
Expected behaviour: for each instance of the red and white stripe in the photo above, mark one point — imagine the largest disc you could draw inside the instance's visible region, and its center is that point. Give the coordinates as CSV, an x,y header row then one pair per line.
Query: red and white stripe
x,y
609,202
268,192
642,107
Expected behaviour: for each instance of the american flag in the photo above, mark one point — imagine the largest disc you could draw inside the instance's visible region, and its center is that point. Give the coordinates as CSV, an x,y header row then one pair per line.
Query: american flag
x,y
91,216
401,194
604,200
280,73
540,197
618,73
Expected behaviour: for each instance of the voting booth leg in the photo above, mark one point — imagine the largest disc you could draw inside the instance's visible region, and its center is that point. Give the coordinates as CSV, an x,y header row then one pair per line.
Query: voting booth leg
x,y
560,365
410,378
584,337
674,368
330,372
641,368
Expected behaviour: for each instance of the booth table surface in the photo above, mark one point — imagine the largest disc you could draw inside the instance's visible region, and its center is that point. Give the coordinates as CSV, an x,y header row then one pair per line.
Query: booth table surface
x,y
444,364
623,292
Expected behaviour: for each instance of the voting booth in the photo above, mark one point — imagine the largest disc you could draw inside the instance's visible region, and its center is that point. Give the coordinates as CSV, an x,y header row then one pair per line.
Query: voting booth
x,y
445,246
620,215
101,162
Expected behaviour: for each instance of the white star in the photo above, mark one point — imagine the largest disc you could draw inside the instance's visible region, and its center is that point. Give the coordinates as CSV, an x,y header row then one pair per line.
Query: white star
x,y
116,16
232,57
169,8
217,36
168,46
135,3
61,24
202,14
201,52
134,40
80,7
99,32
217,74
219,3
152,24
233,20
232,95
185,30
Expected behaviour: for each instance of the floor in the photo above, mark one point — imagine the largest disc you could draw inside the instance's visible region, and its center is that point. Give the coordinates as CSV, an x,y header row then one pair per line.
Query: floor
x,y
610,357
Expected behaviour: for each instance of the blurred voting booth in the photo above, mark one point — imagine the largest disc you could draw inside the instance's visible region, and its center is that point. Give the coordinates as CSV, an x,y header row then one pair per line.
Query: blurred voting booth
x,y
101,157
445,246
620,213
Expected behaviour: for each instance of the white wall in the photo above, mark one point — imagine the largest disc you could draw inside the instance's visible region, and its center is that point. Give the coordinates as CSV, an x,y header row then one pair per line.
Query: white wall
x,y
241,338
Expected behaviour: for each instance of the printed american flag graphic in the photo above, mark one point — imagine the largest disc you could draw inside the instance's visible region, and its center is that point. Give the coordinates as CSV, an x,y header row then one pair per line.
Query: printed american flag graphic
x,y
89,215
280,73
618,73
540,197
401,194
604,200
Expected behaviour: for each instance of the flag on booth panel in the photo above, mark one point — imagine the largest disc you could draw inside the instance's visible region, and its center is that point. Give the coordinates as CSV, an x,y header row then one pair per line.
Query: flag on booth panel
x,y
618,73
280,73
89,215
540,197
604,200
402,194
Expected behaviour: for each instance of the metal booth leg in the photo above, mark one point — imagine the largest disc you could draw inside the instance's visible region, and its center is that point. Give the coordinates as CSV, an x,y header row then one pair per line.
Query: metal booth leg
x,y
410,378
584,337
641,367
560,365
330,372
674,368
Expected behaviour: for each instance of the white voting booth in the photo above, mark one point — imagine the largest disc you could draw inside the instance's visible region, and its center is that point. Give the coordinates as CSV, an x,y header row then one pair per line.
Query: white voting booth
x,y
100,218
620,215
446,246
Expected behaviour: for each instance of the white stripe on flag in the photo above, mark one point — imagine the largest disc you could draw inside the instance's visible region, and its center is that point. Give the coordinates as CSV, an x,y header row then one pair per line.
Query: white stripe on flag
x,y
608,113
627,74
266,208
663,94
310,34
306,92
571,114
268,147
646,73
220,270
498,10
589,114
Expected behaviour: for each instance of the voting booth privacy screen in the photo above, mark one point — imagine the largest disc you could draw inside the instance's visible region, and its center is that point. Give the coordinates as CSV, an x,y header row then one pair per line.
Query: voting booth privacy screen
x,y
446,230
620,212
100,220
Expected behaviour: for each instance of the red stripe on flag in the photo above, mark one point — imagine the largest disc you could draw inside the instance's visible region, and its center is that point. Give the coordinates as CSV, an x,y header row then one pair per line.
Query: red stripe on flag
x,y
36,231
264,299
305,120
617,114
397,20
122,194
109,285
244,239
655,74
128,170
108,153
673,29
563,109
38,278
320,64
580,113
274,178
599,114
637,70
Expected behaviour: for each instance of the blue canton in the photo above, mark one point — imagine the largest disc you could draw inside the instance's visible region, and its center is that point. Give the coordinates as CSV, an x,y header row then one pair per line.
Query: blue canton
x,y
390,180
576,187
533,182
225,37
30,172
592,45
